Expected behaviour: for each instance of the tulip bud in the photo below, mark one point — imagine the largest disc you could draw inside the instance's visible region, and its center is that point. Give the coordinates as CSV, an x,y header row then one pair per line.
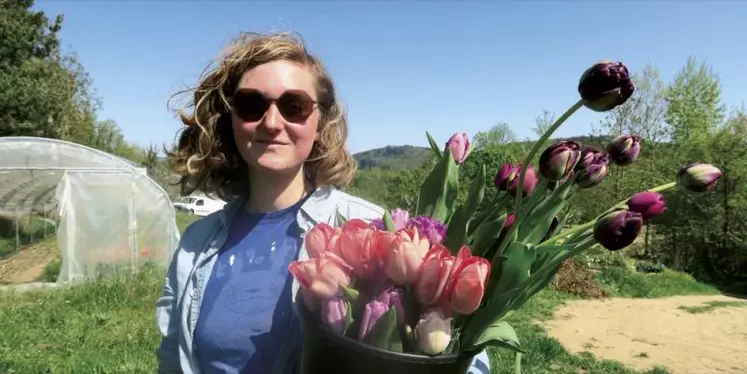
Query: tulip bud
x,y
371,314
624,149
403,262
698,177
393,297
400,218
648,204
322,237
434,274
458,145
605,85
530,182
592,168
505,175
467,282
322,276
433,332
558,160
334,314
618,229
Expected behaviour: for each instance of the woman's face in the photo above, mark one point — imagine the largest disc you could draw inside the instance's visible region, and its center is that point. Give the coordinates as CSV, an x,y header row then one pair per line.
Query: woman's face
x,y
278,139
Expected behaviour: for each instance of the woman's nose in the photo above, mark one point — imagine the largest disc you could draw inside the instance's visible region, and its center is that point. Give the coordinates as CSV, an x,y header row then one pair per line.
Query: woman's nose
x,y
272,120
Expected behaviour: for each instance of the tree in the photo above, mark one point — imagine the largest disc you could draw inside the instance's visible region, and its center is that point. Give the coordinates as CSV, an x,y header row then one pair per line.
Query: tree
x,y
498,135
42,92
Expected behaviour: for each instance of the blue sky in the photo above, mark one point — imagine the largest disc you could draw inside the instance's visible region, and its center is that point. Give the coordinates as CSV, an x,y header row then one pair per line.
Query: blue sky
x,y
403,67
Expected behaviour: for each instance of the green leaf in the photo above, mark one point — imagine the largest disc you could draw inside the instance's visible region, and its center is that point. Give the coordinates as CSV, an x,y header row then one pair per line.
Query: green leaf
x,y
340,218
384,333
439,190
456,234
350,294
499,334
388,223
434,146
348,317
486,234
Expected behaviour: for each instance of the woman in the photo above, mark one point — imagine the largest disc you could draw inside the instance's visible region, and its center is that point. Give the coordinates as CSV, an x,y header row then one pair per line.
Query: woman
x,y
266,134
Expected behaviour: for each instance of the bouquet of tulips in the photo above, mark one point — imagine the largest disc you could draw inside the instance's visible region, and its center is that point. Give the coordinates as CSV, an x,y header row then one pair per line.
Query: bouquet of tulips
x,y
441,281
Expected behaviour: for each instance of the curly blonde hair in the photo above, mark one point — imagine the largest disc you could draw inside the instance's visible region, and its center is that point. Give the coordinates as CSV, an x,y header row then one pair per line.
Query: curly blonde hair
x,y
206,157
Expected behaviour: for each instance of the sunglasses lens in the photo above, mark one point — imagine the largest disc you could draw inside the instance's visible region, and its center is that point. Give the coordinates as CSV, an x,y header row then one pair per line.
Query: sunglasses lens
x,y
250,105
295,106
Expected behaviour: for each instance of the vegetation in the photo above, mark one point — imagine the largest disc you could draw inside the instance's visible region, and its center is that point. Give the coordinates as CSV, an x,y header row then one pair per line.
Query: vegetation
x,y
109,327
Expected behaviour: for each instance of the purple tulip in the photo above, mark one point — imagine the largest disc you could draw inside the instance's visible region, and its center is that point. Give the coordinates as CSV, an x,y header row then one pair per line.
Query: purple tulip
x,y
400,217
371,314
592,168
624,149
618,229
510,219
698,177
431,228
505,175
530,182
334,314
605,85
458,144
648,204
392,298
558,160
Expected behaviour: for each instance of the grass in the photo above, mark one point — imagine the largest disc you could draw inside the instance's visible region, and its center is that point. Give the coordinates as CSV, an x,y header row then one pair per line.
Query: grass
x,y
712,305
109,327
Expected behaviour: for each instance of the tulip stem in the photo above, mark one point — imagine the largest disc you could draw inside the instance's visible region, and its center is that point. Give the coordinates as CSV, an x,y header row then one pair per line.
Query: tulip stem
x,y
581,228
536,147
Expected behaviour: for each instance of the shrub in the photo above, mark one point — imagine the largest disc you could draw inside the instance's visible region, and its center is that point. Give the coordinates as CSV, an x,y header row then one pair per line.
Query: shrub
x,y
575,278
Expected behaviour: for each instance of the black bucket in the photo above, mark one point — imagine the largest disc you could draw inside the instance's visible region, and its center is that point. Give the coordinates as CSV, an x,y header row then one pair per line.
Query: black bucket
x,y
326,352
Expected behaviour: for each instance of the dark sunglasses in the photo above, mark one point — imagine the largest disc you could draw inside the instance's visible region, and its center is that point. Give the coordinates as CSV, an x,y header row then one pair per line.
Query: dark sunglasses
x,y
294,105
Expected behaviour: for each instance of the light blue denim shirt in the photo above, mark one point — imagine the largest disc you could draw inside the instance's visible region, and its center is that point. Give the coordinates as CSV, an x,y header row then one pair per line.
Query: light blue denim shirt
x,y
178,308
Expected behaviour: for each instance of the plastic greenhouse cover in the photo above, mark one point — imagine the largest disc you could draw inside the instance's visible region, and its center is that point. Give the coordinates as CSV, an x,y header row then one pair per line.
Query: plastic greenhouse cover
x,y
111,213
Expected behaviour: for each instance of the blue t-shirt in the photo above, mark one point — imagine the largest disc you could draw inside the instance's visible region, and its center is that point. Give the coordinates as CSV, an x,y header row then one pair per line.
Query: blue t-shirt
x,y
246,311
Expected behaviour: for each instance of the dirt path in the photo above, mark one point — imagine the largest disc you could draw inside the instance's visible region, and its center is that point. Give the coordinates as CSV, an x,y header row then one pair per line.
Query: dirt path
x,y
25,265
685,334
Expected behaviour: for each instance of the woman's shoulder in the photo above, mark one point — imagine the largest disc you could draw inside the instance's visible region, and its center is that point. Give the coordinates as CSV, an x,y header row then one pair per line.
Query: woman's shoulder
x,y
333,201
352,206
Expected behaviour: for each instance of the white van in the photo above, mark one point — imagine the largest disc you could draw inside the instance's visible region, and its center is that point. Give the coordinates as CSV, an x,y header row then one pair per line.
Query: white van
x,y
199,205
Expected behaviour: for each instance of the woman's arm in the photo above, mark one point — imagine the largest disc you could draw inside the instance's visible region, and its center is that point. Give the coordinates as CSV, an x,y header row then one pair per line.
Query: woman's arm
x,y
167,317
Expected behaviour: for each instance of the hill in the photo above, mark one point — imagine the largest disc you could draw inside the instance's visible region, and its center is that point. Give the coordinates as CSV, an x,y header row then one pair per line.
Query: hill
x,y
393,157
399,157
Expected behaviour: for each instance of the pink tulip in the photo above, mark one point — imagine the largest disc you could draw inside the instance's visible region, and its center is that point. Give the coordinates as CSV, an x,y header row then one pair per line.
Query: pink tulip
x,y
458,145
322,275
467,282
322,237
413,236
434,274
359,248
403,262
334,314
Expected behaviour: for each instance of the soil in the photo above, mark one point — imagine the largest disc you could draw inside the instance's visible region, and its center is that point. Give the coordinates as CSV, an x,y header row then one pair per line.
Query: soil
x,y
643,333
25,265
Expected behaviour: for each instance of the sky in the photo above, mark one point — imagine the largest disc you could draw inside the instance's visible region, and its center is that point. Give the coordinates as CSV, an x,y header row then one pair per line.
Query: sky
x,y
403,68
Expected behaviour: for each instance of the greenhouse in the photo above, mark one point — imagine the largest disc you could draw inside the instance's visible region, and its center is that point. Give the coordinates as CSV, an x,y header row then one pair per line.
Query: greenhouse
x,y
106,212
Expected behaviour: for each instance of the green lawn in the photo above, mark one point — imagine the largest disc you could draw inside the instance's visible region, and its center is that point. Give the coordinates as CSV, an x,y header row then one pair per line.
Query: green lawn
x,y
109,326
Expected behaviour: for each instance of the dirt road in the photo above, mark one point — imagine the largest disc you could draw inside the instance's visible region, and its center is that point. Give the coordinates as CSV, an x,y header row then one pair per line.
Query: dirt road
x,y
685,334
